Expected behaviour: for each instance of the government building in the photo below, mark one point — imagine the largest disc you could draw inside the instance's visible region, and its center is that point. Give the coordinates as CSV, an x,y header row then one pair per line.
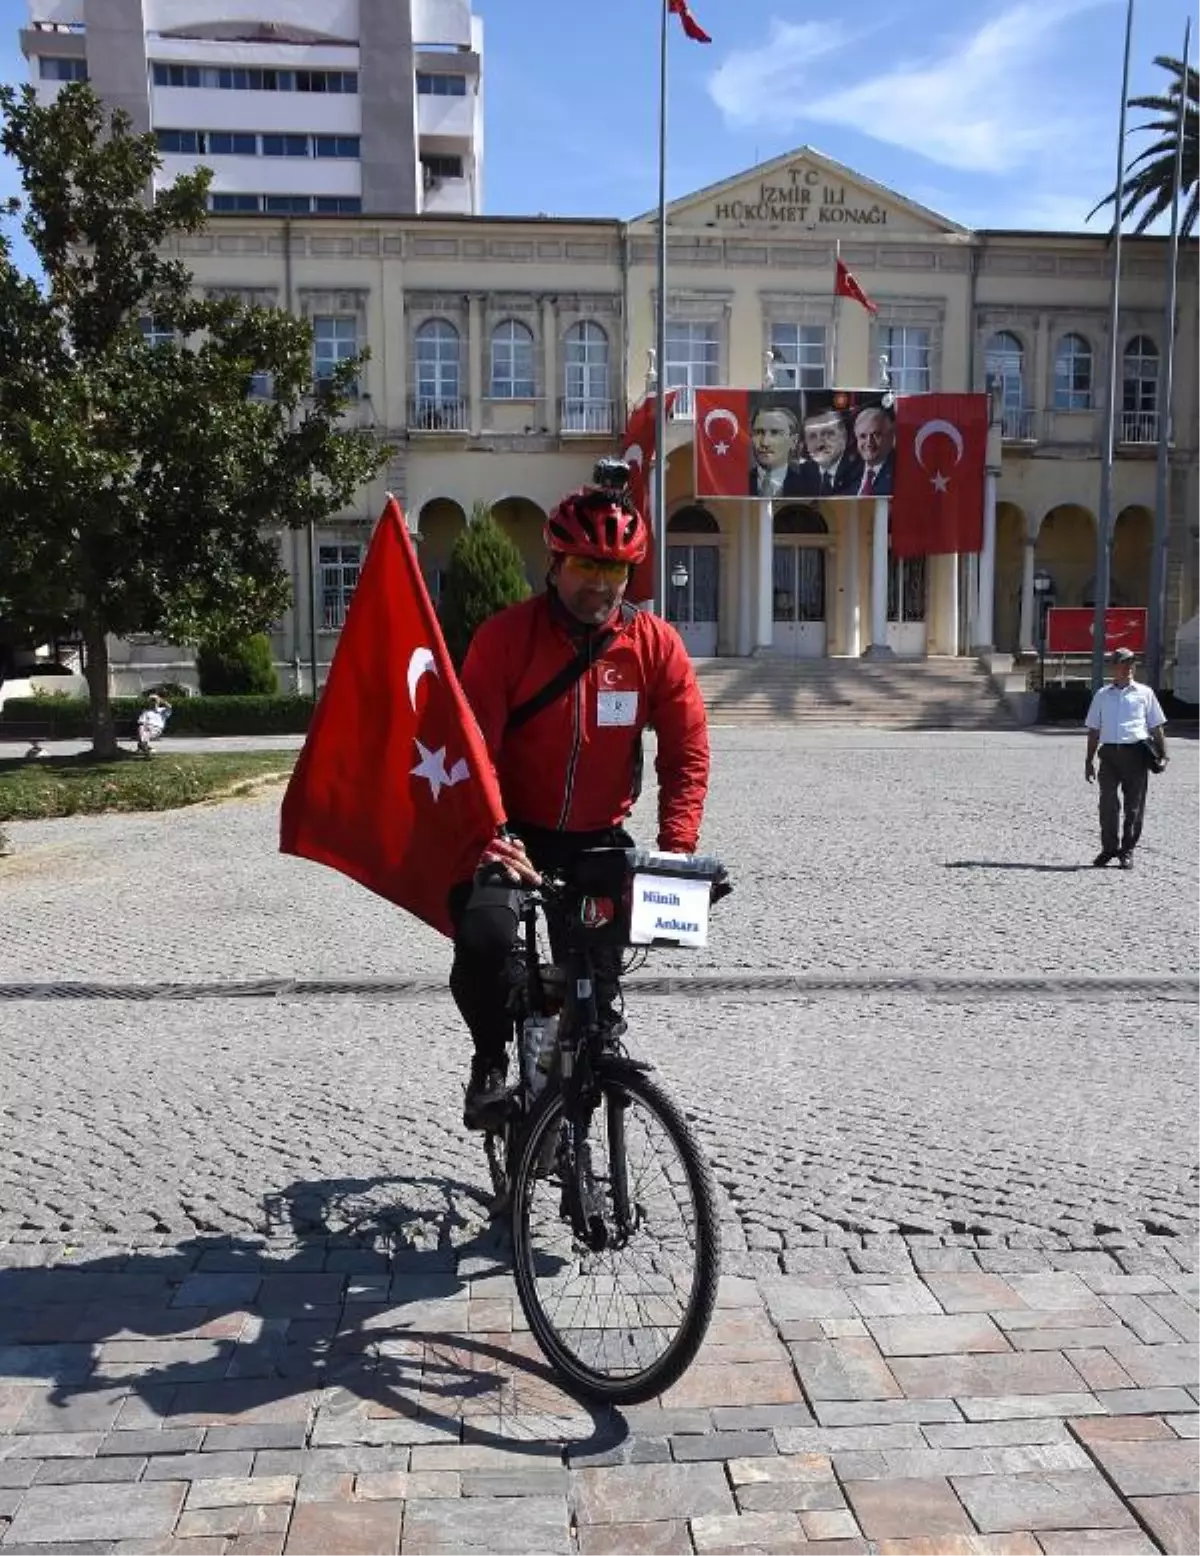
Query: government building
x,y
506,352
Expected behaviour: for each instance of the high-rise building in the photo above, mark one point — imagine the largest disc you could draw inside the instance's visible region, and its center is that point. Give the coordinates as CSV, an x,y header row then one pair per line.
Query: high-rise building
x,y
299,107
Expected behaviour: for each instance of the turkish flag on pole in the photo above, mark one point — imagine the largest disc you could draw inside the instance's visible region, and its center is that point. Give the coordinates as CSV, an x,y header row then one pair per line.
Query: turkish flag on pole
x,y
691,26
844,285
394,786
722,443
638,450
941,462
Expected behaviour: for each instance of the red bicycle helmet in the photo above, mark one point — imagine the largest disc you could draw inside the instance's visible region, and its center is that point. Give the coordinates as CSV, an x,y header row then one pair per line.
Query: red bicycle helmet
x,y
597,523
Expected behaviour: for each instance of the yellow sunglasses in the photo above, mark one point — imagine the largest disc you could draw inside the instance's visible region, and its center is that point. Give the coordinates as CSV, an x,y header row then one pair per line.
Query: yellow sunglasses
x,y
591,567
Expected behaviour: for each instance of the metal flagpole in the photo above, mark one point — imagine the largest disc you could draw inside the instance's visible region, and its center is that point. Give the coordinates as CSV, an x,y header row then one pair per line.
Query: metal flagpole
x,y
1104,521
837,308
660,404
1157,617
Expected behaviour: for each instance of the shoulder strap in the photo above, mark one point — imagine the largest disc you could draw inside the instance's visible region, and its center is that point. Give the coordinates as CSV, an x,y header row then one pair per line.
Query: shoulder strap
x,y
566,677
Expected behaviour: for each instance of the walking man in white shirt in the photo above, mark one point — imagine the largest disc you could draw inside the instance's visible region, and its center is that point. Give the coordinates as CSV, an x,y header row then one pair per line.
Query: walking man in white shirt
x,y
1123,714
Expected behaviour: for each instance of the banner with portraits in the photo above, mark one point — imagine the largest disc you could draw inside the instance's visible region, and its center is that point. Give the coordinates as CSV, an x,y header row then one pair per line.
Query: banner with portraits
x,y
773,444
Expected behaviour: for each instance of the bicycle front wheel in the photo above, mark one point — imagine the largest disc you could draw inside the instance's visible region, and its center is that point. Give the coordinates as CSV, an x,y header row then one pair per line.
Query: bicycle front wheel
x,y
616,1241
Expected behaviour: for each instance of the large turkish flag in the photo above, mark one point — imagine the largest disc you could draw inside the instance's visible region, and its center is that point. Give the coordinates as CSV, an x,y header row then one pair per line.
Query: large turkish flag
x,y
394,786
723,458
941,460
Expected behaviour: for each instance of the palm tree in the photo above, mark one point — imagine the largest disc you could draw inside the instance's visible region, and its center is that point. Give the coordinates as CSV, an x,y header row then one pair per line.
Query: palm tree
x,y
1150,183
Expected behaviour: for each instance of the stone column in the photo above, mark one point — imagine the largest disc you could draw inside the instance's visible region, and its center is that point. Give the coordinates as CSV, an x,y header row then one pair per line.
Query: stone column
x,y
1027,624
852,614
949,637
878,647
764,637
745,556
475,352
550,364
985,611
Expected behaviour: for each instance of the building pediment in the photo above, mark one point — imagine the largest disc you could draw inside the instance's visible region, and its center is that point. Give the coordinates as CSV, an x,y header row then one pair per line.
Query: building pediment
x,y
802,194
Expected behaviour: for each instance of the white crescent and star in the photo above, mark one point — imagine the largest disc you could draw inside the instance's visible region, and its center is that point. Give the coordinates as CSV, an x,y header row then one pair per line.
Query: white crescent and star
x,y
939,482
719,414
432,766
633,455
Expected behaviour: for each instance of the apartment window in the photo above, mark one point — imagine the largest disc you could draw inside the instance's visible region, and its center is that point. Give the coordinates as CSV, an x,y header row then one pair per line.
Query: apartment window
x,y
512,361
335,145
53,67
234,202
587,363
434,166
335,339
185,143
799,356
155,333
287,205
1140,375
1005,361
430,85
223,143
260,386
339,568
254,80
908,353
437,364
285,146
337,205
693,360
1073,374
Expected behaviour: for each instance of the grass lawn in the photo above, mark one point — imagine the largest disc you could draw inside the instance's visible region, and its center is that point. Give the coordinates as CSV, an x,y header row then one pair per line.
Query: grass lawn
x,y
79,785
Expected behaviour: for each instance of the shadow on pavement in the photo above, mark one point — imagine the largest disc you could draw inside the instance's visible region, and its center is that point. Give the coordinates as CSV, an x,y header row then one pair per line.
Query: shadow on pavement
x,y
340,1327
1012,864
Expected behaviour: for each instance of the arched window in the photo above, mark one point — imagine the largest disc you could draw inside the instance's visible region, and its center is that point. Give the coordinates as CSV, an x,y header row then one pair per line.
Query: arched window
x,y
1073,374
512,361
437,371
800,520
1005,361
693,520
1139,393
586,405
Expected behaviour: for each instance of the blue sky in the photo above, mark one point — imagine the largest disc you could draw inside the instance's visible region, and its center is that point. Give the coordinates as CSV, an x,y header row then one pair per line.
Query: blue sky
x,y
997,115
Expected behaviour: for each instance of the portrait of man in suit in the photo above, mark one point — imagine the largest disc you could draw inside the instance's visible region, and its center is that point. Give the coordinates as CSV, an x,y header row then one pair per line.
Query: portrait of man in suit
x,y
875,435
775,447
836,467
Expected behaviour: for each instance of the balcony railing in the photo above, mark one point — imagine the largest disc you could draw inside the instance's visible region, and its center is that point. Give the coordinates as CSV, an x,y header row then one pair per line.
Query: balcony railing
x,y
431,414
594,416
1017,424
1139,427
683,406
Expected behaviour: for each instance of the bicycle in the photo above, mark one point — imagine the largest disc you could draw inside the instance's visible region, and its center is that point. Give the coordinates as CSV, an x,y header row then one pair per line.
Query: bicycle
x,y
603,1179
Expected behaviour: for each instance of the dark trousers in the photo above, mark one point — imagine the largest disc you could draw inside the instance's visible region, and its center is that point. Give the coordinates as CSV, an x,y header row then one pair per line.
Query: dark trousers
x,y
1123,777
486,969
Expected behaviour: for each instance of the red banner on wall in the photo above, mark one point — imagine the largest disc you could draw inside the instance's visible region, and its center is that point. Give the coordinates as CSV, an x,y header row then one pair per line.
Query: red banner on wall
x,y
941,458
1069,628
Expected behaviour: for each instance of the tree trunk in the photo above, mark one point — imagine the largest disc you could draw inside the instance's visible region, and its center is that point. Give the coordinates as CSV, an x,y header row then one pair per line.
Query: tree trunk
x,y
104,738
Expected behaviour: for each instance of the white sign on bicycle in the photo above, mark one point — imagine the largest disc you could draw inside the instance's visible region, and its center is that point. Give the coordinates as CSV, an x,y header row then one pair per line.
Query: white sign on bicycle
x,y
669,910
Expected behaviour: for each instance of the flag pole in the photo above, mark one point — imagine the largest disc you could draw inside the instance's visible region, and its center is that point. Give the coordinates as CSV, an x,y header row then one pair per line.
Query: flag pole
x,y
1157,617
837,309
1104,521
660,404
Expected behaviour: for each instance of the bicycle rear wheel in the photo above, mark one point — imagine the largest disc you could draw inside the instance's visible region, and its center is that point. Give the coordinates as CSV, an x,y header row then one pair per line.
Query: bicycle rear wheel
x,y
616,1246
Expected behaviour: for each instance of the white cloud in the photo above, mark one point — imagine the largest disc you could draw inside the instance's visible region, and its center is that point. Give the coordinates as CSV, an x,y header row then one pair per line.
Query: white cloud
x,y
996,102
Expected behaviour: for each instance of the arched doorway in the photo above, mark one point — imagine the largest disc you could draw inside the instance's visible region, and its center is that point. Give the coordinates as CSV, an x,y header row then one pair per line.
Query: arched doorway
x,y
523,521
1132,539
1011,529
798,582
694,559
1066,549
442,521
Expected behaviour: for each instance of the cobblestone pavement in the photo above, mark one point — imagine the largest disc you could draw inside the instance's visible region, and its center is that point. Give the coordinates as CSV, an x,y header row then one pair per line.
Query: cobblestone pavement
x,y
250,1299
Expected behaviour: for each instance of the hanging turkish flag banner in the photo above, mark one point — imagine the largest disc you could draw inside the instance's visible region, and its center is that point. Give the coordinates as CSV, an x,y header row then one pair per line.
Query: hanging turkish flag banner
x,y
941,461
639,450
844,285
691,26
722,443
394,786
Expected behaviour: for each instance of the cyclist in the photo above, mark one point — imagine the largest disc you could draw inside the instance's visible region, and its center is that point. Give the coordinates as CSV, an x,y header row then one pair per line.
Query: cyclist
x,y
563,686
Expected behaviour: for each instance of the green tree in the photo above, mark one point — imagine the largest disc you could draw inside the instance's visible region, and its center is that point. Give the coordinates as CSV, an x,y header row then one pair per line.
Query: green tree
x,y
484,575
1150,182
237,667
140,482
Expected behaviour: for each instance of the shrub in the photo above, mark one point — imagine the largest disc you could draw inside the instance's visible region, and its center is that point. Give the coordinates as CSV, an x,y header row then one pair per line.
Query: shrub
x,y
237,667
485,574
70,717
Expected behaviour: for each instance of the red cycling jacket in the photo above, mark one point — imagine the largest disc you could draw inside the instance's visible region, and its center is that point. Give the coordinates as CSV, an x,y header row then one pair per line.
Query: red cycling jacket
x,y
572,766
